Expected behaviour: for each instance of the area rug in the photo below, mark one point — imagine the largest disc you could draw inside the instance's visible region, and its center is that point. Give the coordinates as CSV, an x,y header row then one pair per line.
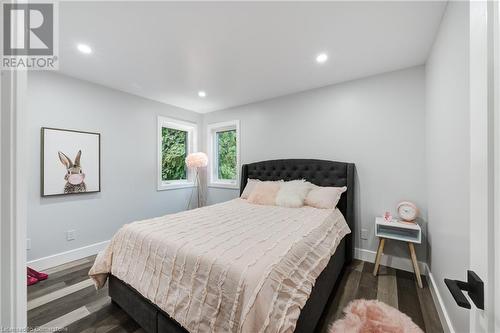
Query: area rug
x,y
371,316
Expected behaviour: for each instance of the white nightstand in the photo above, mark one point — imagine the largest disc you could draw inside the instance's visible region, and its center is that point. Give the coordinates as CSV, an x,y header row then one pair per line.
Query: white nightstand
x,y
401,231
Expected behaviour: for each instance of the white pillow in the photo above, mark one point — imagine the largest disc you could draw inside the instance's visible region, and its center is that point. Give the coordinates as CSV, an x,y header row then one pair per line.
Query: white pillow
x,y
249,188
293,193
324,197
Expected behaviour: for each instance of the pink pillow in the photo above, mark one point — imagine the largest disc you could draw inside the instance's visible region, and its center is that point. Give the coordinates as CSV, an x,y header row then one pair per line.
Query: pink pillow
x,y
324,197
249,188
264,193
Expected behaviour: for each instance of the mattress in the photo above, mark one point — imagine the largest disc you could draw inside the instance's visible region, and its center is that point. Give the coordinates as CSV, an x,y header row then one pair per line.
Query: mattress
x,y
230,267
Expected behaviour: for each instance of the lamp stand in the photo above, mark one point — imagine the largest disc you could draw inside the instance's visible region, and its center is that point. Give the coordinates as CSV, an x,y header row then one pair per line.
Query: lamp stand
x,y
197,186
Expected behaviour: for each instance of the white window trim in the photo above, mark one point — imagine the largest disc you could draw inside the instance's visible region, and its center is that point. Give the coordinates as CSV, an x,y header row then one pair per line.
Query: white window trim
x,y
192,129
211,130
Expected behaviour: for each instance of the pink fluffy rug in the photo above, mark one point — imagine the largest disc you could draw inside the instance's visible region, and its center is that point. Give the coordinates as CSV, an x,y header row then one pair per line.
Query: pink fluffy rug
x,y
362,316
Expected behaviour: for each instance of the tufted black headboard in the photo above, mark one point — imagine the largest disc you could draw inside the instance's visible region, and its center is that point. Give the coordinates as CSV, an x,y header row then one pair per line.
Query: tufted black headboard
x,y
319,172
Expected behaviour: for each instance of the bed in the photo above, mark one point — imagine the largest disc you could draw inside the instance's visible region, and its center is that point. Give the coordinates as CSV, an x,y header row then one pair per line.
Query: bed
x,y
207,302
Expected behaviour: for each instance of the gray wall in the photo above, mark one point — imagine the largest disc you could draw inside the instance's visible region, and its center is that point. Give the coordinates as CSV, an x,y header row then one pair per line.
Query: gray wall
x,y
448,154
376,122
127,125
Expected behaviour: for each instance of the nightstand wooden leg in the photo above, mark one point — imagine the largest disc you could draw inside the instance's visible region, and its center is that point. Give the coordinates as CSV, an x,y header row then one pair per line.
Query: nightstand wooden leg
x,y
379,255
415,264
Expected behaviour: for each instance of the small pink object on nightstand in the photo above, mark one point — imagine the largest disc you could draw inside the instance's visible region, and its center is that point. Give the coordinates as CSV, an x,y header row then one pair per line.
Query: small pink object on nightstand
x,y
387,216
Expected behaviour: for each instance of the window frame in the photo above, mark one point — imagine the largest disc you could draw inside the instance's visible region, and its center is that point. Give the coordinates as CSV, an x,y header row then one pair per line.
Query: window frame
x,y
192,138
212,171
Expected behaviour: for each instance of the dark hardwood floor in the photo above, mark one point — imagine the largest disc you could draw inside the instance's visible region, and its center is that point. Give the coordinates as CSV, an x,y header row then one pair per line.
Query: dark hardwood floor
x,y
69,300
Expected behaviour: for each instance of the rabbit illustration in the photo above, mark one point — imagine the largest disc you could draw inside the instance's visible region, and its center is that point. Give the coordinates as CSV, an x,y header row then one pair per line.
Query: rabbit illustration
x,y
74,176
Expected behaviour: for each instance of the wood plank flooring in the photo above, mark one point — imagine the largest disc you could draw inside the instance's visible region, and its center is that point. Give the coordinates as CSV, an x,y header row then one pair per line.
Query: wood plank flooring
x,y
68,301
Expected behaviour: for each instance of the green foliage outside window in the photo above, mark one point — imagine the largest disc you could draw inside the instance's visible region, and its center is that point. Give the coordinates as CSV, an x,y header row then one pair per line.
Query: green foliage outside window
x,y
226,151
174,151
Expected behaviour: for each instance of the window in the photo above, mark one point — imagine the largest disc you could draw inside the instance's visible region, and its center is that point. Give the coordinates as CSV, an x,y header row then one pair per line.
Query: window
x,y
176,139
174,151
224,155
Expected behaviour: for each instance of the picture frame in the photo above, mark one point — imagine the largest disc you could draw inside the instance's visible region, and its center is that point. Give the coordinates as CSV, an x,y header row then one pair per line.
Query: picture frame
x,y
70,162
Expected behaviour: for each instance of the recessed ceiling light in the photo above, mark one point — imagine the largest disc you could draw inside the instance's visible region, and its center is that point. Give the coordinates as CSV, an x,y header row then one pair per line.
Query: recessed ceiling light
x,y
84,48
321,58
202,94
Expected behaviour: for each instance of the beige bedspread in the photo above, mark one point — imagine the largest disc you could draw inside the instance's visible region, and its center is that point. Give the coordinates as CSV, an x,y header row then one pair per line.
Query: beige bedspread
x,y
230,267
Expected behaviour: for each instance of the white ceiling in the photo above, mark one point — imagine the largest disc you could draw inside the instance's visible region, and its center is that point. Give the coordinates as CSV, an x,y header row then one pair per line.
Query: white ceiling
x,y
240,52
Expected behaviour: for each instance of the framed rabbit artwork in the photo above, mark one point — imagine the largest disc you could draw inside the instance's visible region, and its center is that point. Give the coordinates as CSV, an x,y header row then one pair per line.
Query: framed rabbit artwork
x,y
70,162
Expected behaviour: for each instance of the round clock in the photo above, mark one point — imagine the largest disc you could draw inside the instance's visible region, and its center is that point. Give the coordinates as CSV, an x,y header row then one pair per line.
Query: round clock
x,y
407,211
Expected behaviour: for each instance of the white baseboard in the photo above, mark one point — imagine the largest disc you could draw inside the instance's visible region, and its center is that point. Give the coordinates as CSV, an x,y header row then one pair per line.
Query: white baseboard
x,y
388,260
438,301
65,257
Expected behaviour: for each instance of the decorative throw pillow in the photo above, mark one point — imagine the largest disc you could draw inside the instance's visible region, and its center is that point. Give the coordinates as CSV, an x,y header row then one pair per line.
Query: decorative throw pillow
x,y
249,188
324,197
293,193
264,193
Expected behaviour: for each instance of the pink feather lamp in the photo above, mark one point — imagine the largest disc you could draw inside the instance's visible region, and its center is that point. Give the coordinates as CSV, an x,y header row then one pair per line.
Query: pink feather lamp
x,y
196,161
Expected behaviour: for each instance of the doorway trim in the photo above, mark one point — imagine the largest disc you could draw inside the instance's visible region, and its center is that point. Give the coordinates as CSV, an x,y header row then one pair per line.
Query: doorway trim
x,y
483,158
495,83
13,196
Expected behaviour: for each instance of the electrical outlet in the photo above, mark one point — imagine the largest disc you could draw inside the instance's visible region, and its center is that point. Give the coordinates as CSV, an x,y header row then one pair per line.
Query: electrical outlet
x,y
70,235
28,243
364,234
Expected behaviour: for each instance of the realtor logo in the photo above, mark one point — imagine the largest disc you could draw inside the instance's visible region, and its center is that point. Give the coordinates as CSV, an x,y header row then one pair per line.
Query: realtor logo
x,y
29,36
